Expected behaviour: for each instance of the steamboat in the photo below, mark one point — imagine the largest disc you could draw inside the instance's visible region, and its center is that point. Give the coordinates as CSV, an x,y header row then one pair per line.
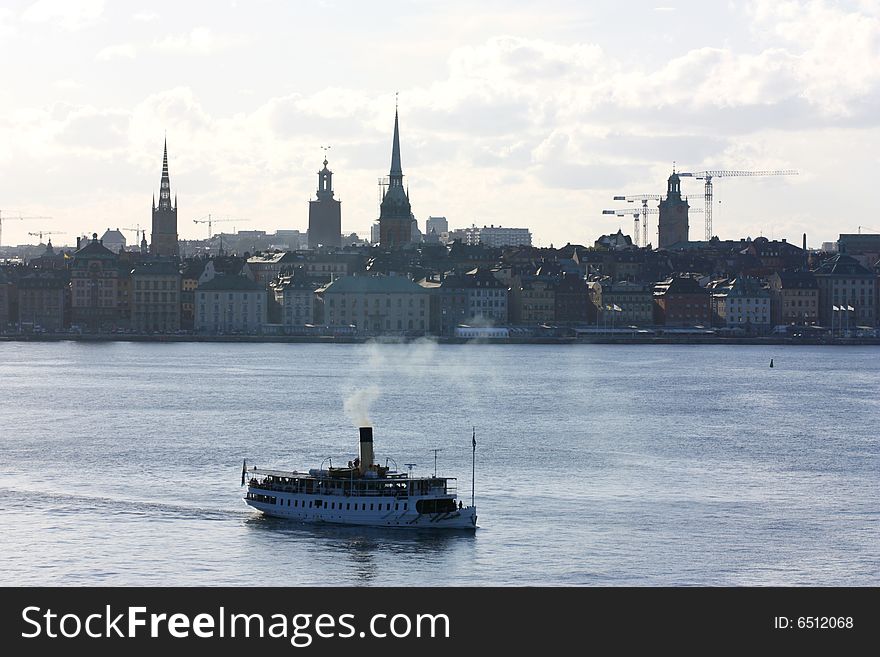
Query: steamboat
x,y
363,493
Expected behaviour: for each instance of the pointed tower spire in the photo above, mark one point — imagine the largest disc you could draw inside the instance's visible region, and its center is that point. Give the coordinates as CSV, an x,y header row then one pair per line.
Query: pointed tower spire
x,y
165,160
396,174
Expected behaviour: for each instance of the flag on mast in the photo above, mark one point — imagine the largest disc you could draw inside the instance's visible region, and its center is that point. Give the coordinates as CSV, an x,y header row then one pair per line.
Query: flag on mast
x,y
475,438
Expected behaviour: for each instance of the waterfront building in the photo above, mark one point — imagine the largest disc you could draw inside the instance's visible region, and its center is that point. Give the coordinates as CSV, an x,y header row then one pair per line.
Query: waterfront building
x,y
155,300
572,300
680,301
672,225
743,304
395,213
294,292
325,213
844,283
43,300
635,300
99,288
476,298
794,298
229,304
163,239
376,304
497,236
533,298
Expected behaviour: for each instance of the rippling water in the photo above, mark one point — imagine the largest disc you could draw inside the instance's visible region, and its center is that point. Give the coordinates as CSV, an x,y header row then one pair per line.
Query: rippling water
x,y
596,464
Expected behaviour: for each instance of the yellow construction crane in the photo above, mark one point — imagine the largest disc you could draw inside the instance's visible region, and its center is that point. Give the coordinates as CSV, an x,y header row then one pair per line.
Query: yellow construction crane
x,y
18,218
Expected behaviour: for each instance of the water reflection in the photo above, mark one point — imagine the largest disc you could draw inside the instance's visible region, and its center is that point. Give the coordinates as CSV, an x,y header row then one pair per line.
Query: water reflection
x,y
356,548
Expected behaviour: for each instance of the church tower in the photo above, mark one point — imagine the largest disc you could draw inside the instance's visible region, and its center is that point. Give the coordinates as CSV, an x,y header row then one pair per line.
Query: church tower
x,y
673,223
395,215
163,240
325,214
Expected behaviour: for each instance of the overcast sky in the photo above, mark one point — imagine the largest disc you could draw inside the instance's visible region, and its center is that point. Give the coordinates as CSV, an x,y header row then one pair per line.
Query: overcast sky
x,y
515,113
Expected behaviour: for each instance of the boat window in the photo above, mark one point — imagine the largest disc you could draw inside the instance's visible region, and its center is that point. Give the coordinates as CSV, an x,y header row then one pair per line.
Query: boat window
x,y
388,507
371,507
405,505
363,507
397,507
348,506
310,504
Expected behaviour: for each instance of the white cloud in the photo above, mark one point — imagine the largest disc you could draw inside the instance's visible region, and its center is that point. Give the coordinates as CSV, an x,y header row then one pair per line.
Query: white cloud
x,y
145,16
67,14
199,41
119,51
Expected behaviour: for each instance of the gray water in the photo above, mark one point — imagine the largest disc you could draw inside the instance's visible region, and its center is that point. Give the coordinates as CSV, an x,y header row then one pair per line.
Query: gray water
x,y
596,465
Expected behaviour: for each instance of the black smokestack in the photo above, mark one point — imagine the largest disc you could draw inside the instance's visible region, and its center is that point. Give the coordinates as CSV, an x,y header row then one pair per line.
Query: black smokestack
x,y
366,449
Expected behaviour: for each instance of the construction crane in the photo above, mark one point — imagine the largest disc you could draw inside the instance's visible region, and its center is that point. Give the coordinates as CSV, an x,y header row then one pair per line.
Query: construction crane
x,y
645,211
868,229
715,173
208,220
40,233
638,213
137,232
18,218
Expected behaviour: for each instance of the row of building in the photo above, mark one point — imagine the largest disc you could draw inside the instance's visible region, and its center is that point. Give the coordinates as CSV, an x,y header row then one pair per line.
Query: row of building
x,y
746,286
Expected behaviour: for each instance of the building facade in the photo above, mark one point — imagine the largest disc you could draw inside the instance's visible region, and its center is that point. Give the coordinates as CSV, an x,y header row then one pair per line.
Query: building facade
x,y
155,298
844,283
98,289
43,300
745,305
325,214
497,236
635,300
376,304
295,293
230,304
163,239
680,301
794,298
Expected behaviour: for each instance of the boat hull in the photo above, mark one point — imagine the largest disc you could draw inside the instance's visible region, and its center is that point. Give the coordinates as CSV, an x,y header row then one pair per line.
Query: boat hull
x,y
362,511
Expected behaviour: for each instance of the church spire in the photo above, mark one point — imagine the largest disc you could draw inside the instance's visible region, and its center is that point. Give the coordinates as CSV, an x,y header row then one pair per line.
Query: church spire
x,y
165,182
396,174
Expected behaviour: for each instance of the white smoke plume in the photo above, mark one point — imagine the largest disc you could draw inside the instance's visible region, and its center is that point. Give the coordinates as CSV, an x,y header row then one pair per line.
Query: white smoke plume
x,y
357,405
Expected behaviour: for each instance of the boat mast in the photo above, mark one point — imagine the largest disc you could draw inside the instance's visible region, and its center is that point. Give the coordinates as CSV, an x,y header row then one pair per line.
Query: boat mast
x,y
474,466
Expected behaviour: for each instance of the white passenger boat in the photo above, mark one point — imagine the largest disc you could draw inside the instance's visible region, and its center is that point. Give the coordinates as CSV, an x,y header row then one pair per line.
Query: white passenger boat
x,y
363,493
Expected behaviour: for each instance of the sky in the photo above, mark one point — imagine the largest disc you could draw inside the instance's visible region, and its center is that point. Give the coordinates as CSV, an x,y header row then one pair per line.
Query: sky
x,y
512,113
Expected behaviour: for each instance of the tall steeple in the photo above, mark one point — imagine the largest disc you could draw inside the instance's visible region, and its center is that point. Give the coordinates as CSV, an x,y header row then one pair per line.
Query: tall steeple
x,y
163,239
396,174
395,213
165,182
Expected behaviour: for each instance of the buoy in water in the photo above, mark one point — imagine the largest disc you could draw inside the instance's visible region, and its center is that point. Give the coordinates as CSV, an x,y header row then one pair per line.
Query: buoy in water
x,y
771,362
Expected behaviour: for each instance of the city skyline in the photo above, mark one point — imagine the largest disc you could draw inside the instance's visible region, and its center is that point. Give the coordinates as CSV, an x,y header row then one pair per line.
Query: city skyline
x,y
508,116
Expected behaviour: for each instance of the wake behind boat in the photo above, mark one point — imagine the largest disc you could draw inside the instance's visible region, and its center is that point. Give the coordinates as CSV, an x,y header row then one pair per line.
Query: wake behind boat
x,y
364,493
